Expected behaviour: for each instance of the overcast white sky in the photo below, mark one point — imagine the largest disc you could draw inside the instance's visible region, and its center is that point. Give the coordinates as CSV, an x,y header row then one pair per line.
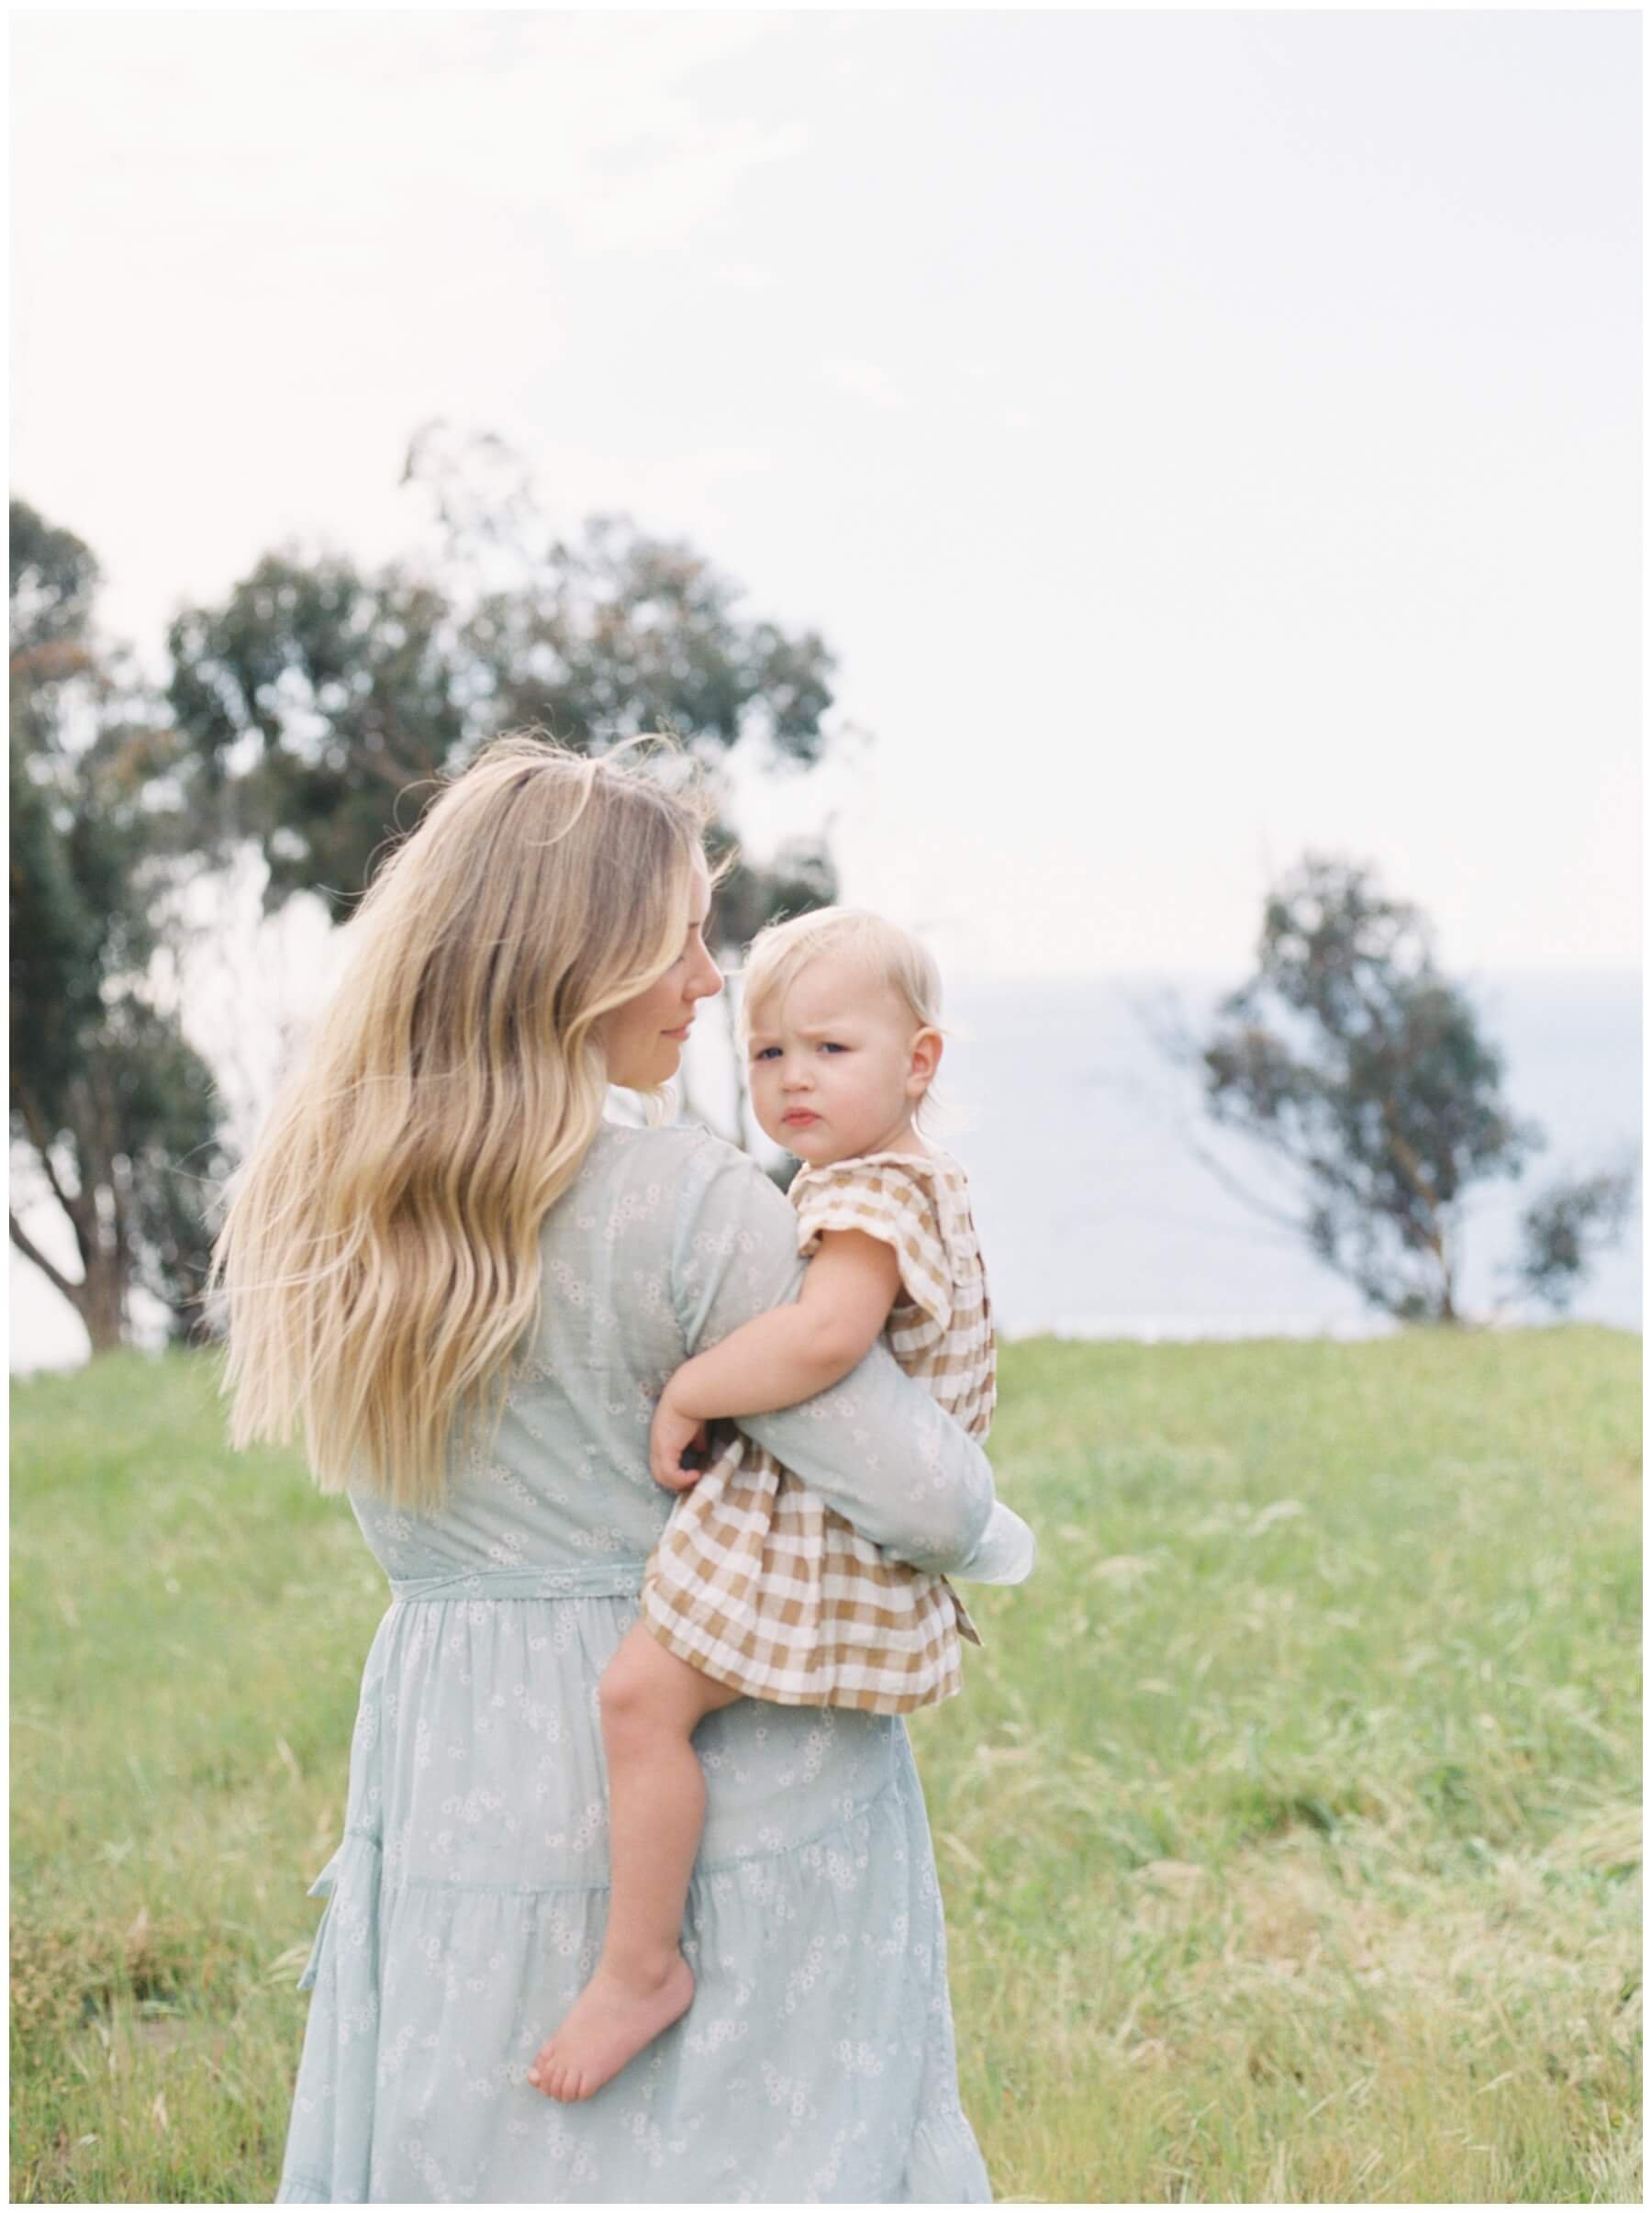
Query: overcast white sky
x,y
1199,436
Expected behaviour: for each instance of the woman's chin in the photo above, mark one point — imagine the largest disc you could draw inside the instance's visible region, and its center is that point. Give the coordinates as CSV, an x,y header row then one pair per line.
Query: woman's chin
x,y
644,1079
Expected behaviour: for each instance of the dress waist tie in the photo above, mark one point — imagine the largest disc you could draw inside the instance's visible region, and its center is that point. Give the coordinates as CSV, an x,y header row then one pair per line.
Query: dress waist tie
x,y
613,1579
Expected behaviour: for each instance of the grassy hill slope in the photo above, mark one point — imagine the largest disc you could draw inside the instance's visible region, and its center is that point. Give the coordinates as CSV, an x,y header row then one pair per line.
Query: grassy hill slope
x,y
1289,1822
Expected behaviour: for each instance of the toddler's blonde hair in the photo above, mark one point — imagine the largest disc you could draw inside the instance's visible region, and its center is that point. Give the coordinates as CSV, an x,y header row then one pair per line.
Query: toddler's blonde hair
x,y
890,955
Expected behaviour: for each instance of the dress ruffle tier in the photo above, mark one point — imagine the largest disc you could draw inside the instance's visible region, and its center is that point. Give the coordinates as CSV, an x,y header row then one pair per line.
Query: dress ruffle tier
x,y
815,2064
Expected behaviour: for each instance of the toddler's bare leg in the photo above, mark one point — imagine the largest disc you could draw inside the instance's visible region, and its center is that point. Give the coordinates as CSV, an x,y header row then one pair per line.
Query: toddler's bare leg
x,y
652,1704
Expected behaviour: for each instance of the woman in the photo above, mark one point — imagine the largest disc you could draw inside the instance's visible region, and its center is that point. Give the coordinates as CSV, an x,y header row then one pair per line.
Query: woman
x,y
469,1289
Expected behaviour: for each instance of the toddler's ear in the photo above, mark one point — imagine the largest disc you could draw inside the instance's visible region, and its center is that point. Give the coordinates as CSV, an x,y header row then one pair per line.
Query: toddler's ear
x,y
925,1060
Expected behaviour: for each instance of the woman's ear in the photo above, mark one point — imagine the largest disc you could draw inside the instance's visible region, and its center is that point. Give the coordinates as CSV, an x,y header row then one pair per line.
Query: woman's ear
x,y
925,1060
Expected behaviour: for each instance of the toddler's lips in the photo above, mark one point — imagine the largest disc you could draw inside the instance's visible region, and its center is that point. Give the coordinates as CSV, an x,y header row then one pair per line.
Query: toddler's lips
x,y
799,1118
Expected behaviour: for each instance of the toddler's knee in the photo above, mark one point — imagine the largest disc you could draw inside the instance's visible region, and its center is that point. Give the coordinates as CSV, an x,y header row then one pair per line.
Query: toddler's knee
x,y
624,1697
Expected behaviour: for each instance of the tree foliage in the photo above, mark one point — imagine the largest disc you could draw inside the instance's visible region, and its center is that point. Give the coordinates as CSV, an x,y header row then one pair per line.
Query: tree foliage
x,y
1365,1070
1564,1227
314,697
320,698
113,1110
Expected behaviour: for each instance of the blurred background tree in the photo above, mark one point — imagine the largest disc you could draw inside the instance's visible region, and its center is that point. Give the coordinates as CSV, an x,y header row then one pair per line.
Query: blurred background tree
x,y
305,721
1565,1227
1365,1074
114,1116
322,700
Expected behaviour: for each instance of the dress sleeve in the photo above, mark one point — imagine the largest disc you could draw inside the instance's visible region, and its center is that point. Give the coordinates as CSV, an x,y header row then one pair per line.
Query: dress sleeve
x,y
886,1201
875,1446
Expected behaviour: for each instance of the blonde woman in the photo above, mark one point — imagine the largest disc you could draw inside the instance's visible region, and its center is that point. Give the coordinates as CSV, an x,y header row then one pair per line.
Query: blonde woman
x,y
467,1289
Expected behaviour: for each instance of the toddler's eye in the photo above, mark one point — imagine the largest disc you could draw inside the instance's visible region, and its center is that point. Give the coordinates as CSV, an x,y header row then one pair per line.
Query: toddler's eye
x,y
766,1053
829,1047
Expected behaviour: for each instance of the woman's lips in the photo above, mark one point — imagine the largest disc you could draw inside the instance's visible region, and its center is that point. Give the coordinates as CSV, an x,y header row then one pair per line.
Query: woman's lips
x,y
680,1034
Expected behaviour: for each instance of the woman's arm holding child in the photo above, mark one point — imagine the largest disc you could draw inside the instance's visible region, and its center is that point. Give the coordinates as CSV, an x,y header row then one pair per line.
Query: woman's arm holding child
x,y
783,1356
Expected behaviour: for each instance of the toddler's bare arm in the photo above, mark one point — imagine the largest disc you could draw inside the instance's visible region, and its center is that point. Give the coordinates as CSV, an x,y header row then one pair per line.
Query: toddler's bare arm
x,y
787,1355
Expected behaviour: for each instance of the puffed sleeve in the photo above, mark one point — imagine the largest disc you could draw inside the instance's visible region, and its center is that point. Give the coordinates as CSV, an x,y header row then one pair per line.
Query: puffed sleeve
x,y
887,1199
875,1446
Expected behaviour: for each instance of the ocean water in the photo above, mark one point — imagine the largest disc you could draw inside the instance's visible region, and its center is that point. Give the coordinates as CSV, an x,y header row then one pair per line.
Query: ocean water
x,y
1097,1216
1099,1219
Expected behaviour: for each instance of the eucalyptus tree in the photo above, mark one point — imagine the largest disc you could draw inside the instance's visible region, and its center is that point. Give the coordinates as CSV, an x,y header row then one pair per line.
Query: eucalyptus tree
x,y
1366,1073
114,1116
323,698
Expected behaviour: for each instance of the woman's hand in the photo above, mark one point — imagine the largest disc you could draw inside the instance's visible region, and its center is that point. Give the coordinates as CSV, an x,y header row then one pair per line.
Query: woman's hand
x,y
674,1433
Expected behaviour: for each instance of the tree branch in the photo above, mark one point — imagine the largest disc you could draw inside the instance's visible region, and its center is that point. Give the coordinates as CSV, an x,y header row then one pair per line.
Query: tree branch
x,y
1167,1027
386,763
82,1212
54,1276
1293,1223
109,1137
1411,1169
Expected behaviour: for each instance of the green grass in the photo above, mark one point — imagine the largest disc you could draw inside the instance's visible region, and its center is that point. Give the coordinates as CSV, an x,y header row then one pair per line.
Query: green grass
x,y
1290,1822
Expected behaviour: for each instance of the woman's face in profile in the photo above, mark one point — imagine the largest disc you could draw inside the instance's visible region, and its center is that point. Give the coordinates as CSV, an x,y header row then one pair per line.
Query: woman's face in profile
x,y
645,1038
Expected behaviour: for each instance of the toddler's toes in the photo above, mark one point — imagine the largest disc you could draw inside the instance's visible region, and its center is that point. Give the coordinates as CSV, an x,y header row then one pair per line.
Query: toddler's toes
x,y
553,2073
610,2024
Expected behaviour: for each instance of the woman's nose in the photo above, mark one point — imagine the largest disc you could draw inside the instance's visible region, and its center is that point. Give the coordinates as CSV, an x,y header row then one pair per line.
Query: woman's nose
x,y
709,982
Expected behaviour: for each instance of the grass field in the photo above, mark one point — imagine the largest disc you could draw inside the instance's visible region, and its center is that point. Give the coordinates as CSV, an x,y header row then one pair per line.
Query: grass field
x,y
1289,1823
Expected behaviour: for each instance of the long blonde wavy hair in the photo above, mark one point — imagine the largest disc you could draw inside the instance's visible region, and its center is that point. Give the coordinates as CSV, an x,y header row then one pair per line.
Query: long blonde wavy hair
x,y
380,1258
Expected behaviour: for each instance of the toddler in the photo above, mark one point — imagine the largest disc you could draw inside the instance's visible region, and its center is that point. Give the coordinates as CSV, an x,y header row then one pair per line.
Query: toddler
x,y
757,1589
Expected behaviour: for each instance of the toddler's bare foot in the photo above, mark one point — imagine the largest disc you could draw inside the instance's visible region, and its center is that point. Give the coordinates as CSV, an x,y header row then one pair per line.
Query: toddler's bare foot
x,y
611,2020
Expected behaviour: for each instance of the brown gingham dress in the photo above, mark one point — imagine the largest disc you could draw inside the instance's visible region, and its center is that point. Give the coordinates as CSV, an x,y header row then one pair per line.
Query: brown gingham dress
x,y
757,1582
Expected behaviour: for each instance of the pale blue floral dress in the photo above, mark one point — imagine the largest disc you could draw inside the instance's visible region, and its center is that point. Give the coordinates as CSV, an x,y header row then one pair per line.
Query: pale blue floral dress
x,y
467,1901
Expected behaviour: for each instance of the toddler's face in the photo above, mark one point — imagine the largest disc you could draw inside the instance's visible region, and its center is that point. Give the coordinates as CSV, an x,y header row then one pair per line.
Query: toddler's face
x,y
838,1067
